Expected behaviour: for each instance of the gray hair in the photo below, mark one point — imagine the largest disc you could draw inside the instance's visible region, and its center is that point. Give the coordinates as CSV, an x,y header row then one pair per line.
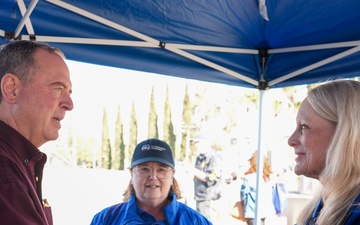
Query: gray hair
x,y
18,58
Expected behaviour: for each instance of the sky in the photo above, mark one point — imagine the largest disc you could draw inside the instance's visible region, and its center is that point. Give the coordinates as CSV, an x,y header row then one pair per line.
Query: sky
x,y
97,87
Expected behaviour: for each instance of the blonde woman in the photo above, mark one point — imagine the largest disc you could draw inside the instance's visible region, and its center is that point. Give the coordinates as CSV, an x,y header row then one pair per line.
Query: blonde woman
x,y
327,144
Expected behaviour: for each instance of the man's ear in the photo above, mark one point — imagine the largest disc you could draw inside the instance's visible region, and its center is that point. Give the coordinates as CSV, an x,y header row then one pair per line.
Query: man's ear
x,y
9,84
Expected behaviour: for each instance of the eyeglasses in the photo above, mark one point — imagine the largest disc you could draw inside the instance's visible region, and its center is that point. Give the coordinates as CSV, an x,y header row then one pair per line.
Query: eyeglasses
x,y
146,171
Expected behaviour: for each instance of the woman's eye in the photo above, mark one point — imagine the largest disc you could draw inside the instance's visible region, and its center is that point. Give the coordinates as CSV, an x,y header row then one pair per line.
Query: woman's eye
x,y
303,127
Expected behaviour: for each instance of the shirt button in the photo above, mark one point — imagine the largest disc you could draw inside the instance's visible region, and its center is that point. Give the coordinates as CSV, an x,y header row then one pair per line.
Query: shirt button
x,y
26,161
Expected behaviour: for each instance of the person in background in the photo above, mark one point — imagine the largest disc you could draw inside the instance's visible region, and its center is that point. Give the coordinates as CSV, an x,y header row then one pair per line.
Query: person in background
x,y
35,95
327,148
207,176
153,192
248,191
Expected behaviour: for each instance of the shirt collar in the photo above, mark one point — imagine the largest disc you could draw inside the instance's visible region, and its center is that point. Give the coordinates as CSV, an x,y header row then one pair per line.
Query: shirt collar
x,y
21,146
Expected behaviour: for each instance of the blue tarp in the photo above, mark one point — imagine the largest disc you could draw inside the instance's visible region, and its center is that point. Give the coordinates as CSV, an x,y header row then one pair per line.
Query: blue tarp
x,y
237,42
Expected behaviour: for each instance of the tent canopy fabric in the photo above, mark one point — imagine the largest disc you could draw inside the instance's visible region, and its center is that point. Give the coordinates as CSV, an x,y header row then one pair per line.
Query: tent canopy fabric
x,y
250,43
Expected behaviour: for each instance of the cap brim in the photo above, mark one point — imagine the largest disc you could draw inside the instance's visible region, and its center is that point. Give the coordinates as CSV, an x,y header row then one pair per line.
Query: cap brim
x,y
151,159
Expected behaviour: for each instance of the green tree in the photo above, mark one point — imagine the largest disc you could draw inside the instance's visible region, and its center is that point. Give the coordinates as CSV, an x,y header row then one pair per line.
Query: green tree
x,y
88,153
64,149
187,126
105,146
252,99
119,146
278,107
169,136
153,131
133,133
72,148
290,94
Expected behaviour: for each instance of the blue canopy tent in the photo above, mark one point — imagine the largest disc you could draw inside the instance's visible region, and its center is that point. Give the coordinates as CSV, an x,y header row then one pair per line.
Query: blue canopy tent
x,y
231,42
250,43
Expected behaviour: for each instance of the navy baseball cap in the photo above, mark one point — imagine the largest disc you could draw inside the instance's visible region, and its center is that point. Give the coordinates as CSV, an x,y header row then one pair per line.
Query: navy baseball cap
x,y
153,150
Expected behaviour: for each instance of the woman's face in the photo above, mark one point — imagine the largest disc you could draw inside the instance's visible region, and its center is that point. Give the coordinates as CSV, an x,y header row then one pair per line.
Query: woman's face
x,y
310,141
152,182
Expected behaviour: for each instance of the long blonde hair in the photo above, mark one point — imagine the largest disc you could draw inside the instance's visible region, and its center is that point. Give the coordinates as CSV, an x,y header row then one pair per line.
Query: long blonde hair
x,y
337,101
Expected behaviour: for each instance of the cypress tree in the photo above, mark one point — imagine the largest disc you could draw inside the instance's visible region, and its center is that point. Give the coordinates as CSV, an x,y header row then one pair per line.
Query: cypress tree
x,y
187,126
153,131
105,146
169,136
133,133
119,146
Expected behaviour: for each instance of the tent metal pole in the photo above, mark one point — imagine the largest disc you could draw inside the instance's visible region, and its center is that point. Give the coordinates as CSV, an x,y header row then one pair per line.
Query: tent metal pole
x,y
263,85
316,65
214,48
346,44
260,160
90,41
26,17
97,41
104,21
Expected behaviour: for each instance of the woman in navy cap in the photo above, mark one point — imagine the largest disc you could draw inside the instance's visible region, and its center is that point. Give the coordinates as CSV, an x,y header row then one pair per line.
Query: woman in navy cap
x,y
152,194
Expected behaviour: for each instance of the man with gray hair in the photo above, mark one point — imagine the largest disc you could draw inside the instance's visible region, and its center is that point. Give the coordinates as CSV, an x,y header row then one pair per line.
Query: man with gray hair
x,y
34,97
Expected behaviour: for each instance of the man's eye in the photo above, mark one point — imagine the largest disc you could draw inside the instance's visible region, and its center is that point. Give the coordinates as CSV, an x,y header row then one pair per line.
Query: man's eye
x,y
303,127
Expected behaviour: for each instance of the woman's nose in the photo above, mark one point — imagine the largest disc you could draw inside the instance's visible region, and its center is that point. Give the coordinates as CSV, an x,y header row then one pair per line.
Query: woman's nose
x,y
153,174
292,141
